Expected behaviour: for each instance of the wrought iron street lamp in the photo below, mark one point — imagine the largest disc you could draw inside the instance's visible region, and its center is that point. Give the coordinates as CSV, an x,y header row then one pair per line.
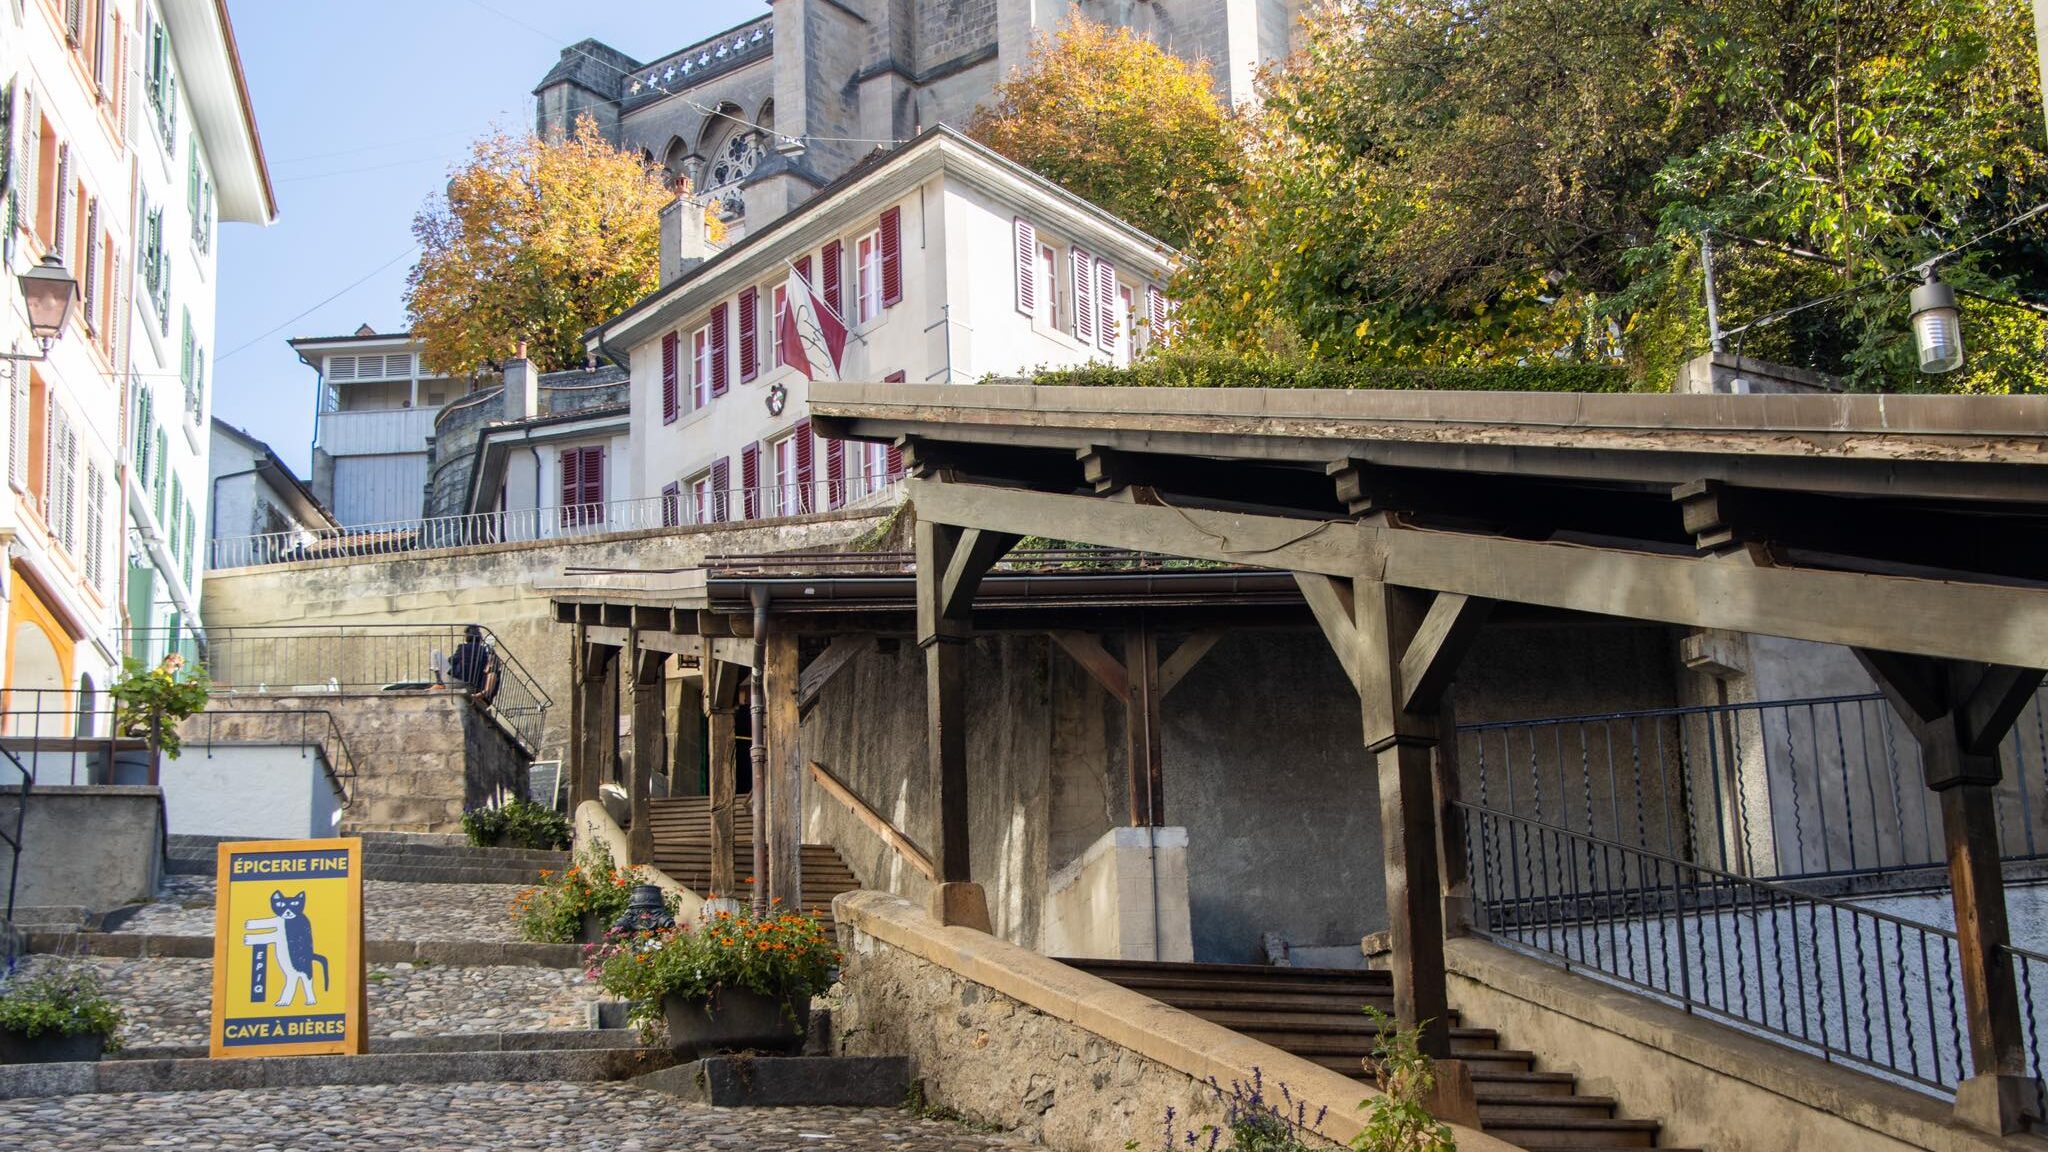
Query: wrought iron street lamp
x,y
49,291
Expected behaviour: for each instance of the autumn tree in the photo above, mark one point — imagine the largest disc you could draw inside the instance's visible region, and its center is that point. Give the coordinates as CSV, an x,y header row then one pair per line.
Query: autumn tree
x,y
1112,118
533,241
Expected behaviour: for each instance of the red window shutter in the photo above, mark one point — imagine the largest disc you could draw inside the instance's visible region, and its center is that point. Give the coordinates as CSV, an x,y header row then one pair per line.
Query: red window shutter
x,y
1027,265
671,399
750,341
892,257
750,479
803,270
895,454
671,504
718,349
572,483
830,262
1084,296
835,473
805,466
896,377
593,483
1105,333
721,484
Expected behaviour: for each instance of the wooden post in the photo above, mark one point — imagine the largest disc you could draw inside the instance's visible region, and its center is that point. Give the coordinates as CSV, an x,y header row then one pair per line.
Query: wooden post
x,y
721,684
596,741
781,817
1456,869
650,745
1959,713
950,564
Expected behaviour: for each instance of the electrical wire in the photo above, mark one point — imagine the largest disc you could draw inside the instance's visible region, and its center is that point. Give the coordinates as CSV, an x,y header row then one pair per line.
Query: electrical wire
x,y
409,250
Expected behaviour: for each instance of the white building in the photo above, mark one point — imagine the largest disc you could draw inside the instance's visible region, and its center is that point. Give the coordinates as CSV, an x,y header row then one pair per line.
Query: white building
x,y
128,138
948,262
374,412
252,492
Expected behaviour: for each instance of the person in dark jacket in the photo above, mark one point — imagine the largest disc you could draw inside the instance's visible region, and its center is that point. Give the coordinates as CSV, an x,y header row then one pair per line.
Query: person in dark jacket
x,y
476,666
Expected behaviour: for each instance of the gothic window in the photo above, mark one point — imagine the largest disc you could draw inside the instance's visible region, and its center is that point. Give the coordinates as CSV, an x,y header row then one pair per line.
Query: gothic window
x,y
731,164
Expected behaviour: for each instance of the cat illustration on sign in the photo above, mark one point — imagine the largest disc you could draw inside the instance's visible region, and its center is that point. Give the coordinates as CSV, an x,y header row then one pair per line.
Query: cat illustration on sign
x,y
288,936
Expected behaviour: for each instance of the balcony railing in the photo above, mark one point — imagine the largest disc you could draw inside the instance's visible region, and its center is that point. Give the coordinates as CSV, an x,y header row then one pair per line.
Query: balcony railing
x,y
646,513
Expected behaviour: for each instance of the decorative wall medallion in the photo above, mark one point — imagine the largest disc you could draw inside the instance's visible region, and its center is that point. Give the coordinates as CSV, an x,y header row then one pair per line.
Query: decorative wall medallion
x,y
778,399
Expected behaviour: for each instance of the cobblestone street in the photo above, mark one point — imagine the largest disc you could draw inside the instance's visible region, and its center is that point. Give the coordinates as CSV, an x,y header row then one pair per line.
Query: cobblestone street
x,y
493,1117
170,1001
391,911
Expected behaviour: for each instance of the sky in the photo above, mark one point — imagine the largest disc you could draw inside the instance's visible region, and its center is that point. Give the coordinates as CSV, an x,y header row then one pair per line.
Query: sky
x,y
363,107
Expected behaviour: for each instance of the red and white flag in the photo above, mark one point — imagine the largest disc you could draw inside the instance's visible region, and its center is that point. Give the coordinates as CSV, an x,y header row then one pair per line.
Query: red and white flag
x,y
809,333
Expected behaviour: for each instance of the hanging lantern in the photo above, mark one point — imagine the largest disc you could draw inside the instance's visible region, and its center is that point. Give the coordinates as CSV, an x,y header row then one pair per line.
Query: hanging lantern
x,y
1937,326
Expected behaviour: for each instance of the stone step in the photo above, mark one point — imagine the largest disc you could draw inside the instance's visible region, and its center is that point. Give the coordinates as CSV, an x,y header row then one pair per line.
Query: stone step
x,y
202,1075
586,1039
788,1081
1575,1134
1498,1109
453,953
391,844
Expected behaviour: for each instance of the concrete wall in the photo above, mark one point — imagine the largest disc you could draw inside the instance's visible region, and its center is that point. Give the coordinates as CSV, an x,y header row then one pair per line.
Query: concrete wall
x,y
254,791
493,586
92,846
1126,898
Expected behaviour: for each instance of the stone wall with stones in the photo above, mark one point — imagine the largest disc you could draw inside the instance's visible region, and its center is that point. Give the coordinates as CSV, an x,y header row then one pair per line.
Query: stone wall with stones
x,y
492,585
1000,1062
419,758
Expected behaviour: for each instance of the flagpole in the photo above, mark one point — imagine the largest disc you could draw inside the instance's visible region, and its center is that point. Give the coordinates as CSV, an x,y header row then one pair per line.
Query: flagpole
x,y
816,295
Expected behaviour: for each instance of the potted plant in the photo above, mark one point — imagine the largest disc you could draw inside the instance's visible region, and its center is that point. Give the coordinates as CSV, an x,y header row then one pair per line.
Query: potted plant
x,y
575,905
149,702
60,1016
517,823
732,983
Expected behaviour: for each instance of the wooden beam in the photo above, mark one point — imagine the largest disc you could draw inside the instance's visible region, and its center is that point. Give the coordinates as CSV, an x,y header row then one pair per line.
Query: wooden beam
x,y
956,899
615,635
977,552
1989,623
1994,703
1914,686
650,746
1145,735
1185,658
1330,600
669,643
1089,653
828,664
732,650
902,845
721,751
1441,640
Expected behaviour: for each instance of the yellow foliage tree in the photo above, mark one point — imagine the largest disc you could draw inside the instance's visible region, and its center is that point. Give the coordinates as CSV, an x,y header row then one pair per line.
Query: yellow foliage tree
x,y
1114,119
533,241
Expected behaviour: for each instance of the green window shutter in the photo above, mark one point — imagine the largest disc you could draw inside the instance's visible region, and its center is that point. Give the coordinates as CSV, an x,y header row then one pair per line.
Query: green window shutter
x,y
163,452
191,542
192,179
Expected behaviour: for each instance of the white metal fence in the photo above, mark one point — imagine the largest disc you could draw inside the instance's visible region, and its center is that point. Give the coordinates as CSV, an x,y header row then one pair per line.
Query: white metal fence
x,y
685,508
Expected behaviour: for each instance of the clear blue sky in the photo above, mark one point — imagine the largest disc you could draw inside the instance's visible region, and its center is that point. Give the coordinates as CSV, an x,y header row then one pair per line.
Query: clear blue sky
x,y
363,107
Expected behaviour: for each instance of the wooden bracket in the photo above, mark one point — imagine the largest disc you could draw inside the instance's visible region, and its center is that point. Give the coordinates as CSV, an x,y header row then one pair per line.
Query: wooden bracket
x,y
977,552
1354,485
1104,469
1330,600
1089,653
1440,643
1185,657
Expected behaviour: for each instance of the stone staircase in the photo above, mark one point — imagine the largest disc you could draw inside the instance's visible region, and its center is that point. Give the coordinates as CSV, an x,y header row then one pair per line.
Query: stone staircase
x,y
1315,1013
405,857
682,848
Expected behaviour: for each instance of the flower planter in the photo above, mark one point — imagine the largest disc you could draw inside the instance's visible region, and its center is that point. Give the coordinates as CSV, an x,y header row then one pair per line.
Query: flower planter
x,y
734,1020
51,1048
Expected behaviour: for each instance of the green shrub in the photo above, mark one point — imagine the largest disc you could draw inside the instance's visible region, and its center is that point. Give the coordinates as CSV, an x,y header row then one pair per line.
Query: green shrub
x,y
1220,370
517,824
552,911
66,1001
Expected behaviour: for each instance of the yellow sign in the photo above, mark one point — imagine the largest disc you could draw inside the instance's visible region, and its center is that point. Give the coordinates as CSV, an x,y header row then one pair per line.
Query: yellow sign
x,y
288,949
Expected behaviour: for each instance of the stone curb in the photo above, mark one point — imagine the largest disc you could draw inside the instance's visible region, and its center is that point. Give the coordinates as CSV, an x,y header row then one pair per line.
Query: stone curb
x,y
590,1039
453,953
786,1081
24,1080
185,865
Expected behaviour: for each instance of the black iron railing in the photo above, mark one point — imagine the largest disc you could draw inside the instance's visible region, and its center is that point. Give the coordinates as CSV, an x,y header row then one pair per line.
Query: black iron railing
x,y
19,779
360,658
1824,787
1846,982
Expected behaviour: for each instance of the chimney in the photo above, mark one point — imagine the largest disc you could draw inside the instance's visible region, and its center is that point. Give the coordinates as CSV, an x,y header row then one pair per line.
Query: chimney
x,y
684,244
522,387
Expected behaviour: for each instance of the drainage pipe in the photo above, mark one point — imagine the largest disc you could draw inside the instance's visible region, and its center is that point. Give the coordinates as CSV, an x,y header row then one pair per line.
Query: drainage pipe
x,y
757,751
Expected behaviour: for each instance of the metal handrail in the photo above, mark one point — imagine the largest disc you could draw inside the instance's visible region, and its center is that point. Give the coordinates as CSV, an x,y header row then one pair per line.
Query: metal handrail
x,y
1849,983
519,525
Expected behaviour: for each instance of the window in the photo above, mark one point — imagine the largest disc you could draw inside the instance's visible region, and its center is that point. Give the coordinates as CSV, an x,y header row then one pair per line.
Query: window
x,y
700,367
782,497
867,469
1127,316
159,79
582,485
701,499
867,283
1048,312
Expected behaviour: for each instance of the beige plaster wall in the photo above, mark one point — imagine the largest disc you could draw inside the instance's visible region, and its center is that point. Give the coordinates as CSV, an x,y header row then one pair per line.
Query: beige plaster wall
x,y
493,585
1126,898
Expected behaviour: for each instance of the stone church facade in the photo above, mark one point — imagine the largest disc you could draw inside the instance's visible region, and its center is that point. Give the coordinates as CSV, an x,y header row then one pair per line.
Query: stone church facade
x,y
760,116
